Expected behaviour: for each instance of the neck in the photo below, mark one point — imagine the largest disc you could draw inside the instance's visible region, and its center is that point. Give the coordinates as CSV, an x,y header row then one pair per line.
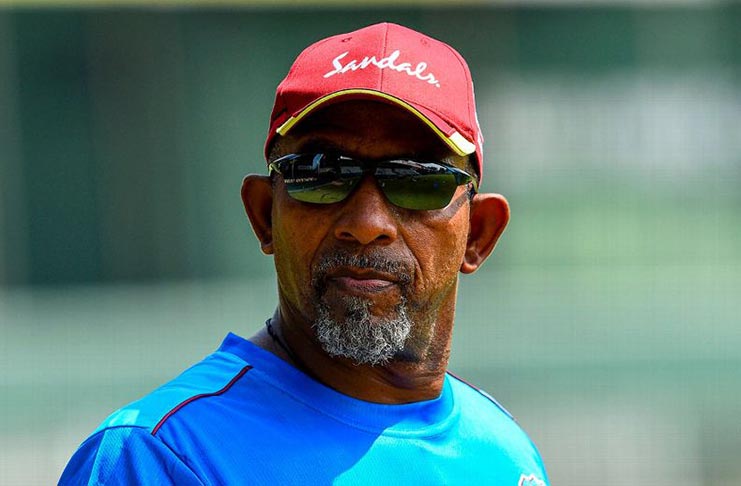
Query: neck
x,y
392,383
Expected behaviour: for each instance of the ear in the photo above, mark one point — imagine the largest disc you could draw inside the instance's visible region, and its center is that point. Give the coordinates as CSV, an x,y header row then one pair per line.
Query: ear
x,y
257,196
489,217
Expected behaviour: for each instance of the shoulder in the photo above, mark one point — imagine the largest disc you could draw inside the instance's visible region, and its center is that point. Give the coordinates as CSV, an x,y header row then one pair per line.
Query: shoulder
x,y
210,377
473,395
469,396
485,420
126,455
126,449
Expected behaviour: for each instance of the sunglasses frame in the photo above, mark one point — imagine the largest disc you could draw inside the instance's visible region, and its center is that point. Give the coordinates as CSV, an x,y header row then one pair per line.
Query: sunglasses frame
x,y
369,167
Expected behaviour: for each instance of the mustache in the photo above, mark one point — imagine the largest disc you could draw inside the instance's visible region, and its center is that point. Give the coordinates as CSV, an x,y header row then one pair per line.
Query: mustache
x,y
401,270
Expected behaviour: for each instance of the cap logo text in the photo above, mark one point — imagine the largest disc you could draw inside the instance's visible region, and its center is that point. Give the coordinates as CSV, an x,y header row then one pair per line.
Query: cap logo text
x,y
388,62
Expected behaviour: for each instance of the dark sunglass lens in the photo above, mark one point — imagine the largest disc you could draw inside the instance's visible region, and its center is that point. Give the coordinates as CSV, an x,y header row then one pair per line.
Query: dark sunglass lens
x,y
423,191
325,193
320,179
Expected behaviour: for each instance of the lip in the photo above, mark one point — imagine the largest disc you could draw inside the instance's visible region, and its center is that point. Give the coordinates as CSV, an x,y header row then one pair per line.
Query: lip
x,y
362,280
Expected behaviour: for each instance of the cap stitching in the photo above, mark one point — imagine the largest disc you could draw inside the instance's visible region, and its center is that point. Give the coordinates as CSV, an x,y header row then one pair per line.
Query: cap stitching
x,y
466,73
381,73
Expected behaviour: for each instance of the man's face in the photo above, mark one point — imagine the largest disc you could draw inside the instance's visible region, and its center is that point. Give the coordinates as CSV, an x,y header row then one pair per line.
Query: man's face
x,y
375,281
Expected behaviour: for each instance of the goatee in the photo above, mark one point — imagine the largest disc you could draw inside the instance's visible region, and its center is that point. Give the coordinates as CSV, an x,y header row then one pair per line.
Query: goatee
x,y
358,334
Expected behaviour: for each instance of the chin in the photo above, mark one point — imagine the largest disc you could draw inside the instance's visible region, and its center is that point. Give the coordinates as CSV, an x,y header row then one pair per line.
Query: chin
x,y
362,337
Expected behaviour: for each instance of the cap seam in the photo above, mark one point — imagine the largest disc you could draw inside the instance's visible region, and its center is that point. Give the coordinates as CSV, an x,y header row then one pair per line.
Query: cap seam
x,y
307,50
469,79
381,73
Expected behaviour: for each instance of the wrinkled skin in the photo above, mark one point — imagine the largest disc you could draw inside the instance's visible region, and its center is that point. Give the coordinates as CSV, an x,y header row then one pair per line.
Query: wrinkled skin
x,y
378,253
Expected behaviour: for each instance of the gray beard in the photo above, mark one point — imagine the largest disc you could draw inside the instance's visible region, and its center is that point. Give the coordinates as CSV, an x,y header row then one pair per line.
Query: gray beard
x,y
358,334
361,336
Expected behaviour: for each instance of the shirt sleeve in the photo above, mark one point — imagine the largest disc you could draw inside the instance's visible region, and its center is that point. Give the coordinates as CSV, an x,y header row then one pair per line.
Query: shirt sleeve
x,y
126,456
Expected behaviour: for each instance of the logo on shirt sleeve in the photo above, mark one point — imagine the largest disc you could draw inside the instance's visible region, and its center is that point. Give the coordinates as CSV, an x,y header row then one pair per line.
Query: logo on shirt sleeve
x,y
530,480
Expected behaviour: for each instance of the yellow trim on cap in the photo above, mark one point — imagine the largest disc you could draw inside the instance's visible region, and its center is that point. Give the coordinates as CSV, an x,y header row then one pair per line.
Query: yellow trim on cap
x,y
456,141
465,146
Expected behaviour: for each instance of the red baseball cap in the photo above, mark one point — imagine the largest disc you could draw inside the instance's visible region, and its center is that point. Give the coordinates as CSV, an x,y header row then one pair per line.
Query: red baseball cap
x,y
390,63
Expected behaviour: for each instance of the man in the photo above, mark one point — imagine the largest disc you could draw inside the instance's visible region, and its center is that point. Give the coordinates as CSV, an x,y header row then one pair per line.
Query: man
x,y
370,212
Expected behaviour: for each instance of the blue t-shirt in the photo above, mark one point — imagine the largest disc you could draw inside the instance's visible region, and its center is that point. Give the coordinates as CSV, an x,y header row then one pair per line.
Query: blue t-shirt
x,y
244,416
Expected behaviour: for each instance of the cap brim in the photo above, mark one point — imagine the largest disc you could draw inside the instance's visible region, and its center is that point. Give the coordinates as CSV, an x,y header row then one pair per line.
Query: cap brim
x,y
448,134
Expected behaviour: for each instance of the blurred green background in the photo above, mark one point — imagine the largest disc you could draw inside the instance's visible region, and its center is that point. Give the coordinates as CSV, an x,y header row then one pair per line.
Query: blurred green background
x,y
607,321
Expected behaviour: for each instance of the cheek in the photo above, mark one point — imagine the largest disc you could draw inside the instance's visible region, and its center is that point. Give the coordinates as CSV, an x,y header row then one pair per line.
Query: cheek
x,y
439,247
296,237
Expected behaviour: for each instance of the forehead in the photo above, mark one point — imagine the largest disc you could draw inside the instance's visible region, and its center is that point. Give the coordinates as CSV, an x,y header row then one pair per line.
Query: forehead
x,y
367,129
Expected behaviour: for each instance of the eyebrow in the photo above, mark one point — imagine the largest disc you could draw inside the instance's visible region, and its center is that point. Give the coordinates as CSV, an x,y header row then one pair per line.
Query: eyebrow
x,y
318,143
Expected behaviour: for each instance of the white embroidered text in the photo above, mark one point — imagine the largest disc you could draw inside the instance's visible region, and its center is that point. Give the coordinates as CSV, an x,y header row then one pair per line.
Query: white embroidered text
x,y
388,62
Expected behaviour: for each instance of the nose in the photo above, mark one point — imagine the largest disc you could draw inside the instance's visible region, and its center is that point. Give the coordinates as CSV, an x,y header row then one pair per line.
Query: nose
x,y
366,216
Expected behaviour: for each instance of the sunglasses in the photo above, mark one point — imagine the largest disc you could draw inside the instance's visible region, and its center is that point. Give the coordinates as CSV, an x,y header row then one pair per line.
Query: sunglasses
x,y
326,178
